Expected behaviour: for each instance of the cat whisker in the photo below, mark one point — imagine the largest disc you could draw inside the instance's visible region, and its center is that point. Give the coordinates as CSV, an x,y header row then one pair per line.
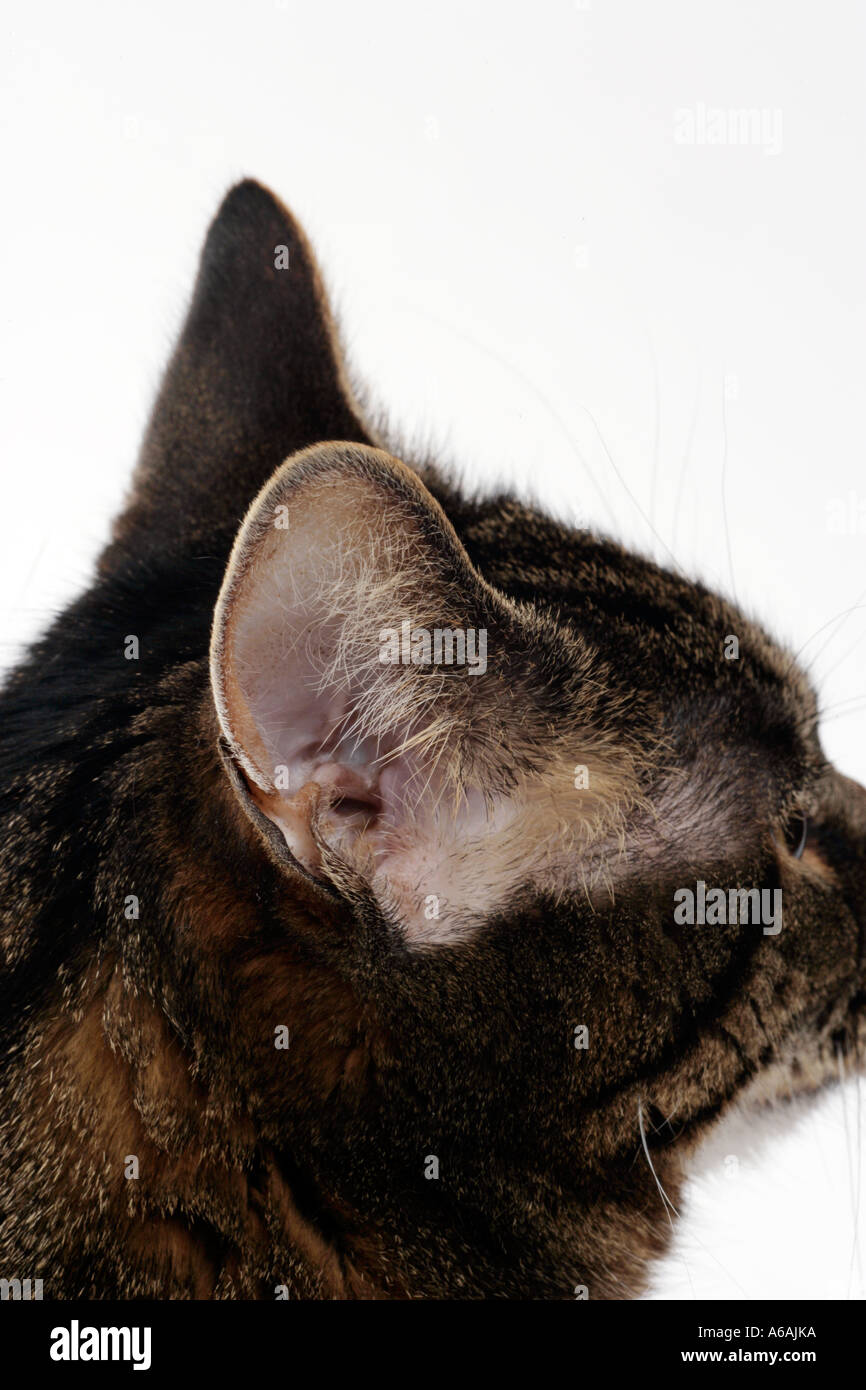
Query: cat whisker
x,y
725,493
685,463
669,1207
666,1201
844,615
841,713
663,543
845,655
536,391
657,415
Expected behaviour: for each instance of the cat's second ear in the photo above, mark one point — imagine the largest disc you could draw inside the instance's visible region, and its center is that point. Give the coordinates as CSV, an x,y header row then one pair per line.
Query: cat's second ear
x,y
255,376
389,711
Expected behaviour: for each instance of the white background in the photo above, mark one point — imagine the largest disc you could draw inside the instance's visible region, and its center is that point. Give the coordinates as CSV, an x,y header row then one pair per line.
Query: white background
x,y
533,270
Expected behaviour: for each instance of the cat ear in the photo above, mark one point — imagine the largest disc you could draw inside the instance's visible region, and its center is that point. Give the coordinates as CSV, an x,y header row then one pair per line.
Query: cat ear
x,y
393,715
255,376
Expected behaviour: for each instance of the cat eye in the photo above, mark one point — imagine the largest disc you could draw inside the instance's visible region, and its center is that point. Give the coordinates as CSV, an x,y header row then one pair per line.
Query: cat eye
x,y
796,834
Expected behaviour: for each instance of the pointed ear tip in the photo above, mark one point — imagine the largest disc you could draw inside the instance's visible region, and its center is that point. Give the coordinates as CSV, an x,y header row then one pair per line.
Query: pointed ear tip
x,y
249,194
250,205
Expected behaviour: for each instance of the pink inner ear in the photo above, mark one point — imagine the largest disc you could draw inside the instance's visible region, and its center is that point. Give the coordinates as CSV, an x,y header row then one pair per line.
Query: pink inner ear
x,y
360,785
382,808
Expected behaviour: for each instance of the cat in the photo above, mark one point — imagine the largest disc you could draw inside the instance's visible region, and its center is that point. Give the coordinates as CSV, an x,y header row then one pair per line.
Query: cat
x,y
337,964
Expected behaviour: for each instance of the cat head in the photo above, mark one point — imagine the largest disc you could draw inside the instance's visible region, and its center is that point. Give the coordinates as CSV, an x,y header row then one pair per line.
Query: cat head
x,y
545,830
